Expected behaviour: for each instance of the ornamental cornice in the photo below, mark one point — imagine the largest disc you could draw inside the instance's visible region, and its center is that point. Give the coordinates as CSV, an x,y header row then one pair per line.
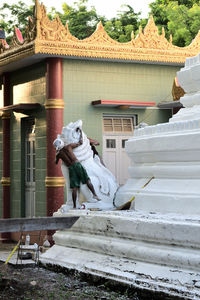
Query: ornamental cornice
x,y
17,53
55,38
51,37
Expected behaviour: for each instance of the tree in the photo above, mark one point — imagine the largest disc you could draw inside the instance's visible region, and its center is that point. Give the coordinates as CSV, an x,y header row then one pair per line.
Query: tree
x,y
19,12
121,27
184,23
81,20
179,18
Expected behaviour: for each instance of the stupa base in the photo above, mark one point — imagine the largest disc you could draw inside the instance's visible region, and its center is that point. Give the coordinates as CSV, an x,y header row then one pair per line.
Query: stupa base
x,y
148,251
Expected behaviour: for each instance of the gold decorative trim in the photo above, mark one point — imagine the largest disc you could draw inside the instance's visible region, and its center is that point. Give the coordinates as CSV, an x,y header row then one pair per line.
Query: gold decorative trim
x,y
54,181
54,103
5,181
51,37
16,54
30,32
54,38
51,30
6,115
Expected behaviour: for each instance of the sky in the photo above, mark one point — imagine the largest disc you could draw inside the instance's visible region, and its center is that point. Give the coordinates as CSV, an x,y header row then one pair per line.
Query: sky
x,y
107,8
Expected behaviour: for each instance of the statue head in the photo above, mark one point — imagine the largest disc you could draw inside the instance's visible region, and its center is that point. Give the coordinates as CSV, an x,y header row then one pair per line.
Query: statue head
x,y
71,132
58,144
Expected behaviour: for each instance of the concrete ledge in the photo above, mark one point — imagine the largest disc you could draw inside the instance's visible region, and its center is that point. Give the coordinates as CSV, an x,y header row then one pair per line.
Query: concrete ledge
x,y
149,251
136,274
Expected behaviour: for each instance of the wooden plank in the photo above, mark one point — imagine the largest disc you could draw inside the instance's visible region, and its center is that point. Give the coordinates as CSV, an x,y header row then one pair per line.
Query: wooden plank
x,y
32,224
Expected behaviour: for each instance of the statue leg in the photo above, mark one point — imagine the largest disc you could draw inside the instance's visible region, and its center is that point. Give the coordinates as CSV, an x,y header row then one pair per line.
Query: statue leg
x,y
91,188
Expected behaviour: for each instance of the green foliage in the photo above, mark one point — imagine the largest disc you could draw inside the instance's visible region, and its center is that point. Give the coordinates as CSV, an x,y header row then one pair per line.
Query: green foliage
x,y
180,18
19,12
121,27
81,20
179,24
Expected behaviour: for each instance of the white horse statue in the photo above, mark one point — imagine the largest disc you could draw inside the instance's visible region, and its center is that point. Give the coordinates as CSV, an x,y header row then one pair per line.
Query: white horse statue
x,y
104,182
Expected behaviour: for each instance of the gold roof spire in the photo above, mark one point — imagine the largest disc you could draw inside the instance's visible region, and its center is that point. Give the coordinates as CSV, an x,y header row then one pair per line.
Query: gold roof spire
x,y
100,36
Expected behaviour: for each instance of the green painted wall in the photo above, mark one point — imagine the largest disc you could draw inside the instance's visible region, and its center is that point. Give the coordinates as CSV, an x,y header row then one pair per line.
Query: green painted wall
x,y
83,82
1,167
1,153
28,86
86,81
15,168
40,162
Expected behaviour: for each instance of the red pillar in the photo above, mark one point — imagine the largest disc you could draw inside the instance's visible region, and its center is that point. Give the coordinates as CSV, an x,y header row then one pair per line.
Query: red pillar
x,y
5,180
54,119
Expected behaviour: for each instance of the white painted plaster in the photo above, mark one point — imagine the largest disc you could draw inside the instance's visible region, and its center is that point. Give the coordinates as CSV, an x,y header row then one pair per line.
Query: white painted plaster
x,y
168,156
104,182
150,251
156,245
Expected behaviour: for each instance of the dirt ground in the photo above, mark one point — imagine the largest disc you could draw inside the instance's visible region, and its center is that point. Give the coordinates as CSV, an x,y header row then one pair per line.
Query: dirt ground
x,y
30,283
39,283
34,282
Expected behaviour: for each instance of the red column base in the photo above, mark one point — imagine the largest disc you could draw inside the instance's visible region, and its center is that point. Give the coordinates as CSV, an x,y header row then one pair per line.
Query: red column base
x,y
55,199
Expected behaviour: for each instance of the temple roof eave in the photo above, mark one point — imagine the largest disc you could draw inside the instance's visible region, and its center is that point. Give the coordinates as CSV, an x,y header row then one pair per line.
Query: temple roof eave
x,y
30,57
36,51
120,52
15,55
45,37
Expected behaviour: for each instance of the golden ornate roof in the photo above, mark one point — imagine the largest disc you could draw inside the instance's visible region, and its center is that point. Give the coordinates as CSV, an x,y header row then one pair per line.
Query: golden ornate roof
x,y
44,36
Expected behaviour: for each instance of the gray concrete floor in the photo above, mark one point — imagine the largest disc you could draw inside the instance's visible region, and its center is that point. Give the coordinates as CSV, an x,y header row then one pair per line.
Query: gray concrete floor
x,y
6,250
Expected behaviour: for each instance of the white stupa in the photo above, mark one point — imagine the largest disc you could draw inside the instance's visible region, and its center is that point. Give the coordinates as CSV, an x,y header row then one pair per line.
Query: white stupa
x,y
156,245
165,170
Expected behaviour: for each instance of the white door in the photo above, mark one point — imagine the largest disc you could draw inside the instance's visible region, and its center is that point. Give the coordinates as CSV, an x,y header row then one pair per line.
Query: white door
x,y
115,157
124,160
116,132
30,169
